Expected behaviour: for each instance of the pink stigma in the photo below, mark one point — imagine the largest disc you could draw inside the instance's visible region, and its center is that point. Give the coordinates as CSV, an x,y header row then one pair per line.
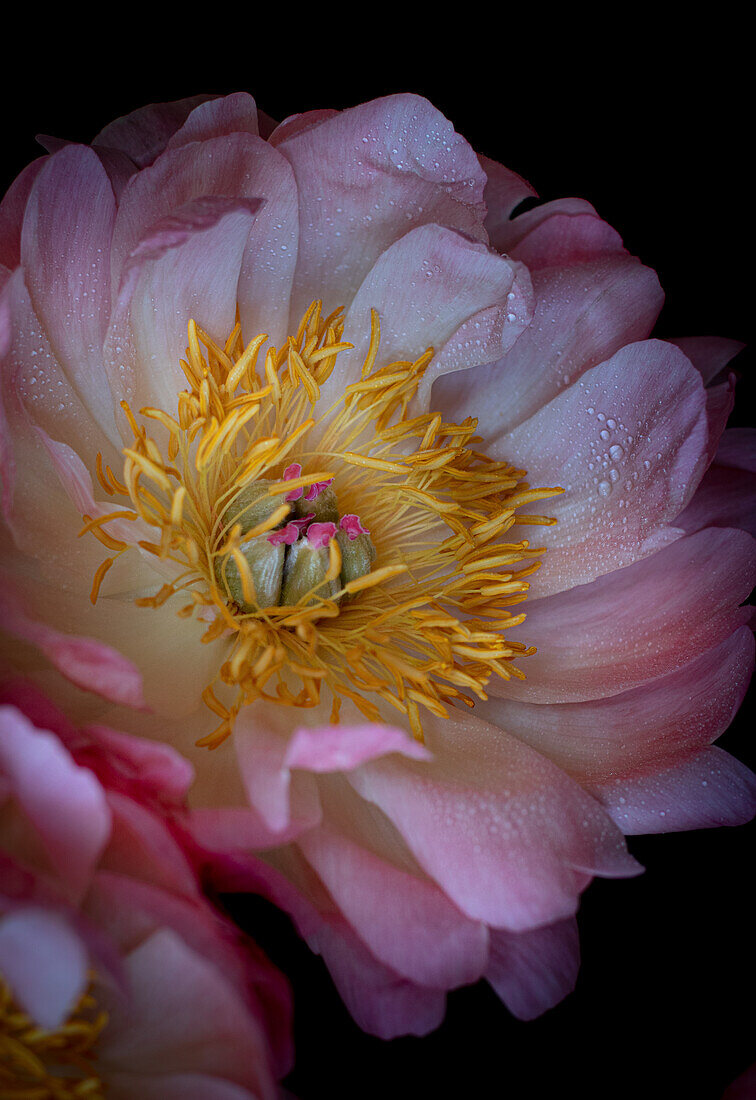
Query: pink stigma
x,y
351,526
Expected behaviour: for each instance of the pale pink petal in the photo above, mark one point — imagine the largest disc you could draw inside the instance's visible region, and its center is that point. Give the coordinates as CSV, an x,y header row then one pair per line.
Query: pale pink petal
x,y
65,253
296,124
64,803
656,723
708,789
558,234
44,962
498,827
155,767
533,971
628,444
187,267
231,114
405,920
243,829
709,354
181,1016
89,664
583,315
174,1086
239,165
459,305
636,624
283,801
504,191
367,175
144,133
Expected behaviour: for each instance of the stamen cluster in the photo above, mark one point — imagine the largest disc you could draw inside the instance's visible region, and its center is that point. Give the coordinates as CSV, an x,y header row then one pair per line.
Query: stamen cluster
x,y
418,620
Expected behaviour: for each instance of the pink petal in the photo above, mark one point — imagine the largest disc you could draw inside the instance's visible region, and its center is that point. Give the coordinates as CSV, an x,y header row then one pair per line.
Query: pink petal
x,y
174,1086
709,354
533,971
504,191
155,767
648,726
636,624
708,789
457,284
237,166
405,920
144,133
595,307
344,747
231,114
283,801
142,846
365,177
65,252
559,233
12,208
64,803
628,444
498,827
44,962
86,662
182,1016
187,267
726,496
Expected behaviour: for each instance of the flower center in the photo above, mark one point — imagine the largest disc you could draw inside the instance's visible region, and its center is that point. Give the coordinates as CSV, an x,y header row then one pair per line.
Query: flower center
x,y
355,548
36,1064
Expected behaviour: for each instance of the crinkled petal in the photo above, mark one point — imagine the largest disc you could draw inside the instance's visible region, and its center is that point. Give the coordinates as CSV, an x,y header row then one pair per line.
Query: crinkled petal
x,y
636,624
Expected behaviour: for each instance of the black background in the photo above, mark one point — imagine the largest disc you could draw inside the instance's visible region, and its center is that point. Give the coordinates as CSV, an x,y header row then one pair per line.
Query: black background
x,y
654,132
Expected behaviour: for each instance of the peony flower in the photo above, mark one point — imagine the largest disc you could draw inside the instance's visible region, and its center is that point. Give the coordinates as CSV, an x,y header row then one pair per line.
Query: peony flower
x,y
320,456
116,975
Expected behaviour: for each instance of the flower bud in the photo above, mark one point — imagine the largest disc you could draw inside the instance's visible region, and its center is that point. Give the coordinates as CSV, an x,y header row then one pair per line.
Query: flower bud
x,y
266,565
357,556
305,568
323,507
251,505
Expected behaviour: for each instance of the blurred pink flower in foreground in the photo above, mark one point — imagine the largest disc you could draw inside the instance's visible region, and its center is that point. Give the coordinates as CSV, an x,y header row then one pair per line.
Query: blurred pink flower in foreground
x,y
317,543
116,976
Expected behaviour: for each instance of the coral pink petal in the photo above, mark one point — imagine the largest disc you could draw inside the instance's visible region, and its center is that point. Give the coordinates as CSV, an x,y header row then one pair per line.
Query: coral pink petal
x,y
708,789
405,920
504,191
584,313
239,165
634,625
44,962
499,827
231,114
661,721
628,444
89,664
186,267
709,354
366,168
141,845
143,134
457,284
182,1017
533,971
65,805
156,767
65,253
559,233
